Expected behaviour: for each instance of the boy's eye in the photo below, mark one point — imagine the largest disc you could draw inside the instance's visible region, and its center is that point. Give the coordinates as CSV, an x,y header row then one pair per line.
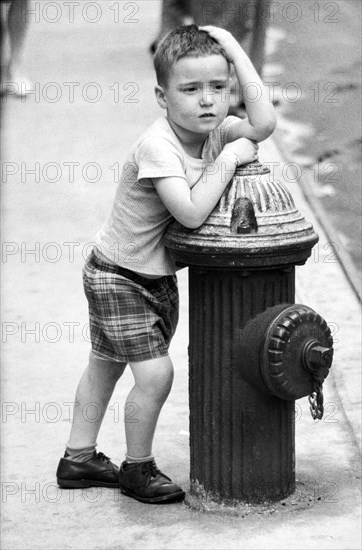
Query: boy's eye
x,y
218,87
210,88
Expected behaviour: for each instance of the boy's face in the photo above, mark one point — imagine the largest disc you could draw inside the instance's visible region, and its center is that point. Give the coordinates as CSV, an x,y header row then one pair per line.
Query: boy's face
x,y
197,96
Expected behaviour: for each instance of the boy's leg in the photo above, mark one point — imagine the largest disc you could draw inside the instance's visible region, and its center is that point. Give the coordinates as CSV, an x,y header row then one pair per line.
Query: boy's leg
x,y
96,387
139,476
153,381
81,465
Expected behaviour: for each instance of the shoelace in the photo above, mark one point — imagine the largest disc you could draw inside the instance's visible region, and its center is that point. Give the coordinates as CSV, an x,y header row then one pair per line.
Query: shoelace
x,y
151,469
102,456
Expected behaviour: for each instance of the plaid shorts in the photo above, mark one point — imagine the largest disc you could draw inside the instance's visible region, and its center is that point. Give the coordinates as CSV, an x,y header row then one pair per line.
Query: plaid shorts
x,y
131,318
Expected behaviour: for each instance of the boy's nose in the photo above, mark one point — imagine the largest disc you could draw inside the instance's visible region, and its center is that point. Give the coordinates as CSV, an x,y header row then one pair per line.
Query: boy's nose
x,y
207,98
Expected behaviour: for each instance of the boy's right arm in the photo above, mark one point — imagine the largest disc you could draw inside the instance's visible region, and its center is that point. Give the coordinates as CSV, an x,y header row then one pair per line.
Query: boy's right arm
x,y
261,120
191,207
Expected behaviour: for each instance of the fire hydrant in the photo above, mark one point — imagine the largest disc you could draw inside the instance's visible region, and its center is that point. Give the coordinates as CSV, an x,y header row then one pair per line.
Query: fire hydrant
x,y
252,350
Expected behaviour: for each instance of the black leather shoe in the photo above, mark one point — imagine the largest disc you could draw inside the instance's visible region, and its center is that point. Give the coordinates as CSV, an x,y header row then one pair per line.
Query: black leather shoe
x,y
146,483
99,471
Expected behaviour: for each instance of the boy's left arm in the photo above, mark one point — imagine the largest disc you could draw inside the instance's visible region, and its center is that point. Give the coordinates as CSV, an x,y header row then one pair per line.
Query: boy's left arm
x,y
261,121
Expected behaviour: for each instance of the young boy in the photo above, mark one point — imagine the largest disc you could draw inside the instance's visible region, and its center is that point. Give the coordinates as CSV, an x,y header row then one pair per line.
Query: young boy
x,y
129,278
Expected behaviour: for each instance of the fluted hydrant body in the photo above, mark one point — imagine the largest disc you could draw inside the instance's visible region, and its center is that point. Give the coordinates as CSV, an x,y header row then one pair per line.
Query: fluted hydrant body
x,y
241,438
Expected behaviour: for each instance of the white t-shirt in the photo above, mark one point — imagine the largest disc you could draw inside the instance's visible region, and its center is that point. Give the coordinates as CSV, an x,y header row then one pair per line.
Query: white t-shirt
x,y
132,236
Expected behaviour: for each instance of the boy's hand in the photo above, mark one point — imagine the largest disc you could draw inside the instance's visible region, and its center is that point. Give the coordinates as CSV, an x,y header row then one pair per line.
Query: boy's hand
x,y
226,40
245,150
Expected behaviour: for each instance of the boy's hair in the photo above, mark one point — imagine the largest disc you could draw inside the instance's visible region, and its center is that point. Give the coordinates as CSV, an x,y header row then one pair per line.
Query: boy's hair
x,y
184,41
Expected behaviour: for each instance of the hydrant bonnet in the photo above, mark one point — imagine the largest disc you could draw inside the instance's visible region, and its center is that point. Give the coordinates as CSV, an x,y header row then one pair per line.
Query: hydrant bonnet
x,y
255,224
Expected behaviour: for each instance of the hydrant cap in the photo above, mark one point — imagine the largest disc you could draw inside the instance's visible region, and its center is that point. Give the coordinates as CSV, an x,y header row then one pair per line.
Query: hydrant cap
x,y
255,224
297,351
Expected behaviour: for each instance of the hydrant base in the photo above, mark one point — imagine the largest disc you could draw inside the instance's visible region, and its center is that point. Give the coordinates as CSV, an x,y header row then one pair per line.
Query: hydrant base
x,y
201,497
303,496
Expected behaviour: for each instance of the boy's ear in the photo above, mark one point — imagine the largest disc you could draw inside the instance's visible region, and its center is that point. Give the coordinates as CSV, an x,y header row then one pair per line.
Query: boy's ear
x,y
160,96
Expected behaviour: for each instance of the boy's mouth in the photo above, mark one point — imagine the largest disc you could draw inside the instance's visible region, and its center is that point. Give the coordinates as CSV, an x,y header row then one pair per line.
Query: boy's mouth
x,y
207,115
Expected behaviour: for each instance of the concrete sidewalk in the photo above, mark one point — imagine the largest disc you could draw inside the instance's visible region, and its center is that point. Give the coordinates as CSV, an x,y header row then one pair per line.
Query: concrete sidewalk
x,y
48,225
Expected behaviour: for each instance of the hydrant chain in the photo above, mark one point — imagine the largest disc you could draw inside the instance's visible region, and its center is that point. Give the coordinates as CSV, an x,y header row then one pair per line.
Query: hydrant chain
x,y
317,360
316,402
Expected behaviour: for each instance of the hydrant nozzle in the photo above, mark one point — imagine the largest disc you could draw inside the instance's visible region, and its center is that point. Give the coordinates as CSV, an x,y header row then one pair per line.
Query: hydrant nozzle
x,y
317,360
316,356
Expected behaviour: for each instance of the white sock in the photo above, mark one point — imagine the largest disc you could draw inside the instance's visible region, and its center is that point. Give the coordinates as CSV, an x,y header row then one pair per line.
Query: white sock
x,y
83,454
134,460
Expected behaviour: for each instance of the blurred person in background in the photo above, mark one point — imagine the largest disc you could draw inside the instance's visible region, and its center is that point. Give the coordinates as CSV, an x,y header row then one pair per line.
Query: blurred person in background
x,y
245,19
174,13
14,25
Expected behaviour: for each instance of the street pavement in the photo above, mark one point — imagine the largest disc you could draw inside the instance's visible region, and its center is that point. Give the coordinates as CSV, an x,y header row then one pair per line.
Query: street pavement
x,y
75,146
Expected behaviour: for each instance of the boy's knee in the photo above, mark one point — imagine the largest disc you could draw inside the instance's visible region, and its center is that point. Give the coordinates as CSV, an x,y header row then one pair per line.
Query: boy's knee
x,y
161,387
154,376
163,380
